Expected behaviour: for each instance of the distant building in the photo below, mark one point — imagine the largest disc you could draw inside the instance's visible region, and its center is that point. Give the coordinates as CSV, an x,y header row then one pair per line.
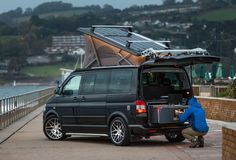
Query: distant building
x,y
38,60
65,44
3,68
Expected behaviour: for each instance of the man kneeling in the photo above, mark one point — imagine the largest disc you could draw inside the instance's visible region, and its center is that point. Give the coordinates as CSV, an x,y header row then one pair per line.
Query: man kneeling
x,y
198,125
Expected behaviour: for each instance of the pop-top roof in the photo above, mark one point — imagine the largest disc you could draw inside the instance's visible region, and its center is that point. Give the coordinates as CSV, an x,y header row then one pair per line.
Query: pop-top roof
x,y
125,39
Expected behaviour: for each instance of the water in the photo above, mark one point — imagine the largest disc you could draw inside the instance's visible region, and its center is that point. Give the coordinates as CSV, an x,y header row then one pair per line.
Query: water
x,y
8,91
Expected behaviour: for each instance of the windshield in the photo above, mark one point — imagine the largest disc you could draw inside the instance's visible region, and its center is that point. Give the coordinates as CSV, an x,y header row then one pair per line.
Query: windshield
x,y
163,81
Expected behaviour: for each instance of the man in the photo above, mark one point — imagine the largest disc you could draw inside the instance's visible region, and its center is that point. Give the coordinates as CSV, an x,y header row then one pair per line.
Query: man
x,y
198,125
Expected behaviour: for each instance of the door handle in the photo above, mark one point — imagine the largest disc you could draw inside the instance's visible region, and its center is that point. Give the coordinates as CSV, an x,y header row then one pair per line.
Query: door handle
x,y
83,99
75,98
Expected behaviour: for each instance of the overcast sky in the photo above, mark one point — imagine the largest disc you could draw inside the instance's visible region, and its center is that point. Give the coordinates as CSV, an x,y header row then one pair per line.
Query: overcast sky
x,y
6,5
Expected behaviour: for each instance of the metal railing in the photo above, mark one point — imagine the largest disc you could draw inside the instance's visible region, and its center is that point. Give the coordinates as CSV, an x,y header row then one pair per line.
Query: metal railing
x,y
208,90
16,107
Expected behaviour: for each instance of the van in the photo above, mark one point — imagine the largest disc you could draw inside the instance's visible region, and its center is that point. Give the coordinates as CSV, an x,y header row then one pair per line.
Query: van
x,y
125,101
121,102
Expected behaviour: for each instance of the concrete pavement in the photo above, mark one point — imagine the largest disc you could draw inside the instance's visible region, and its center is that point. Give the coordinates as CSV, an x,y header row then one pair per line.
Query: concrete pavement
x,y
30,143
13,128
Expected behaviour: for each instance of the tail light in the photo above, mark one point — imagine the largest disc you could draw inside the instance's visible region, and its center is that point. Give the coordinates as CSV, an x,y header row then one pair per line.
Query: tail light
x,y
140,106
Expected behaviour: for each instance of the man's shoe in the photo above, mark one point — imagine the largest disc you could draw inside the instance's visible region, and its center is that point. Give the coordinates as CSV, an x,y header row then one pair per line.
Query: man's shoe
x,y
194,143
201,141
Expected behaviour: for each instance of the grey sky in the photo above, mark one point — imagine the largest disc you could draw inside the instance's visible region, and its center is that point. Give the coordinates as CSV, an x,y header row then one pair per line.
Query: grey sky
x,y
6,5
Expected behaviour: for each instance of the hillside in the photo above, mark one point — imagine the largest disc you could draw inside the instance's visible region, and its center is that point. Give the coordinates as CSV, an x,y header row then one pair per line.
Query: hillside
x,y
29,33
68,13
52,70
218,15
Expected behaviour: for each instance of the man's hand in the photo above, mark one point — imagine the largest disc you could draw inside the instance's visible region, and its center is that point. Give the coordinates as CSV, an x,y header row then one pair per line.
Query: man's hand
x,y
177,112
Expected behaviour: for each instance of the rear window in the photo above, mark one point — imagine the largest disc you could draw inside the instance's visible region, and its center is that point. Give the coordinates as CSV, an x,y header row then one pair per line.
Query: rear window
x,y
163,81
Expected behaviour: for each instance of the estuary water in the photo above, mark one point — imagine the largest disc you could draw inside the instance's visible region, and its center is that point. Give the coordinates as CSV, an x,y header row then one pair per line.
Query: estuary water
x,y
8,91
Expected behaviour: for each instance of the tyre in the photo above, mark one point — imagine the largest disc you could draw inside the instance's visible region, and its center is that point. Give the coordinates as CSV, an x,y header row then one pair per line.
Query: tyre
x,y
52,128
119,132
174,137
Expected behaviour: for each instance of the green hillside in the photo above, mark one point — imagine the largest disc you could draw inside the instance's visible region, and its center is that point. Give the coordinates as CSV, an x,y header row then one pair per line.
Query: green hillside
x,y
67,13
46,70
219,15
8,38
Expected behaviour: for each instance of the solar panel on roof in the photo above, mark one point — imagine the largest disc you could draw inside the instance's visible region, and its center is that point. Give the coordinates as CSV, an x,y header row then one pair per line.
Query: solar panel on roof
x,y
126,38
129,39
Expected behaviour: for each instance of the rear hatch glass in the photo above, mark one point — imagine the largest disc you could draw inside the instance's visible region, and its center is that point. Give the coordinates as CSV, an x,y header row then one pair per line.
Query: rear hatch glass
x,y
165,85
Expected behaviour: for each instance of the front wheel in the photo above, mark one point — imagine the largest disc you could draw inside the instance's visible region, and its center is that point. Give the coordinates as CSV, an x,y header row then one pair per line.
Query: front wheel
x,y
174,137
52,128
119,132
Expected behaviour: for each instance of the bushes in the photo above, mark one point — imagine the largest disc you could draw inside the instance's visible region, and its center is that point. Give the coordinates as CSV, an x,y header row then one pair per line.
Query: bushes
x,y
230,91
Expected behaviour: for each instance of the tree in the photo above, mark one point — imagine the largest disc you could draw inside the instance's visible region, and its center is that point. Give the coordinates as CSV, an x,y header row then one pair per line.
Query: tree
x,y
52,7
28,11
202,71
214,70
169,2
35,20
107,7
187,2
14,13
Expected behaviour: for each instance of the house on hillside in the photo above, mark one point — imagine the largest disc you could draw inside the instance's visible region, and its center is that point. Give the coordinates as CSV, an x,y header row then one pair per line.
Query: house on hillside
x,y
38,60
65,44
3,68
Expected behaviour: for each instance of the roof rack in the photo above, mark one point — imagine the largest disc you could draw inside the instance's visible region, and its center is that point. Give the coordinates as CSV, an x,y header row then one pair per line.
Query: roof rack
x,y
174,52
147,41
130,28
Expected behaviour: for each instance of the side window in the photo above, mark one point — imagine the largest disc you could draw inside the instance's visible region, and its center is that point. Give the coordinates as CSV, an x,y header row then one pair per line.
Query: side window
x,y
120,81
95,83
101,82
72,86
88,83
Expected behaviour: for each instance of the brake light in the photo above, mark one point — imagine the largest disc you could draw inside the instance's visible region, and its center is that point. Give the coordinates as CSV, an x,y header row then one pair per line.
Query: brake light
x,y
140,106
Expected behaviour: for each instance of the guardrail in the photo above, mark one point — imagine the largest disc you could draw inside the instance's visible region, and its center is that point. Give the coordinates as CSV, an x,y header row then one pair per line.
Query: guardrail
x,y
16,107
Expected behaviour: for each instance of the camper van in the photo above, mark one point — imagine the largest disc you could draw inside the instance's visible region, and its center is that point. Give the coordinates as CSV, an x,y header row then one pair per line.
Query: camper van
x,y
130,88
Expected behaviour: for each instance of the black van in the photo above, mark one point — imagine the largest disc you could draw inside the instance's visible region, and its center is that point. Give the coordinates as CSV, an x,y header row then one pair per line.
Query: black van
x,y
131,87
124,101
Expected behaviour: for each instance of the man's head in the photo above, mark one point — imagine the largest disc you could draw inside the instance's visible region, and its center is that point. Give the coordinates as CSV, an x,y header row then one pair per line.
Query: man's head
x,y
193,102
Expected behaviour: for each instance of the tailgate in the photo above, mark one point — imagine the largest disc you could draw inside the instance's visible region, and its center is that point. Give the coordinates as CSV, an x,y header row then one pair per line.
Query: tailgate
x,y
164,114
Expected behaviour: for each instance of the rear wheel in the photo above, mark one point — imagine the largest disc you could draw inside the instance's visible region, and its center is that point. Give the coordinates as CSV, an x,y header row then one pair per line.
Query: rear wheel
x,y
119,132
52,128
174,137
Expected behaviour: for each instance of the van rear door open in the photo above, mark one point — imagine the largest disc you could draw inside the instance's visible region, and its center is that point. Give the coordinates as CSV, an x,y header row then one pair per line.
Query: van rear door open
x,y
183,60
165,85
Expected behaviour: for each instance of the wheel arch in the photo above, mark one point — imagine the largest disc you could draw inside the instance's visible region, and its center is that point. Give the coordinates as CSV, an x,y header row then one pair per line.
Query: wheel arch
x,y
51,112
116,114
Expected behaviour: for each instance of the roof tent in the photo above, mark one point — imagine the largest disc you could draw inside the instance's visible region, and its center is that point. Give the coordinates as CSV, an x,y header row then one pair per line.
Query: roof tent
x,y
108,45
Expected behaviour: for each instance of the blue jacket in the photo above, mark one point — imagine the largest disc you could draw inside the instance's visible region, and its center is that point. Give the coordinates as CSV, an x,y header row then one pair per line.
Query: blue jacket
x,y
195,115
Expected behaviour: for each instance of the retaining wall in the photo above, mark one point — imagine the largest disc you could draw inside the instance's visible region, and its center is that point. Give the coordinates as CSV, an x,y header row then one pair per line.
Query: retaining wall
x,y
229,142
219,108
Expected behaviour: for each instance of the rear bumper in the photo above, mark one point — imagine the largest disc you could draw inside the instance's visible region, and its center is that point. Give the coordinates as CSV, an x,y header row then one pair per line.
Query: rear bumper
x,y
148,131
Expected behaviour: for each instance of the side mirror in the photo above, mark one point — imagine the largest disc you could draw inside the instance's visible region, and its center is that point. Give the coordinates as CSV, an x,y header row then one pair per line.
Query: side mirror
x,y
56,91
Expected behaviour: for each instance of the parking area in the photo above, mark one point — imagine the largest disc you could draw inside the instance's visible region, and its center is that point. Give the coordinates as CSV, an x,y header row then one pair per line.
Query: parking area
x,y
30,143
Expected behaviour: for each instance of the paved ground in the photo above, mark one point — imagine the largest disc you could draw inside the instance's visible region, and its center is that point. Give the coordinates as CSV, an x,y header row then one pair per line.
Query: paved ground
x,y
30,143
